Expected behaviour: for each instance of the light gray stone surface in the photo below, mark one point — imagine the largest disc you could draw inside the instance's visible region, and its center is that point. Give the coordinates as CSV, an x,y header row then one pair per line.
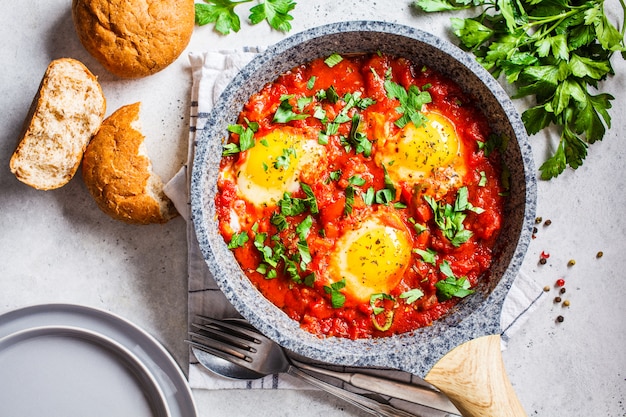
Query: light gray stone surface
x,y
57,246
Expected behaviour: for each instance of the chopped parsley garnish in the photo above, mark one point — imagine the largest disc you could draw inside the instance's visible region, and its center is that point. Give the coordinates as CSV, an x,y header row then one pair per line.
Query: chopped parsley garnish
x,y
283,160
449,218
411,103
291,206
311,83
452,286
310,199
357,139
412,296
246,139
429,256
337,299
238,240
369,196
349,192
333,60
304,227
285,113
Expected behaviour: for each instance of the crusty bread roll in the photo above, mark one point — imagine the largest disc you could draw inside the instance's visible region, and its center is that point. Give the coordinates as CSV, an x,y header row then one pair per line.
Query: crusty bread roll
x,y
133,38
65,114
118,171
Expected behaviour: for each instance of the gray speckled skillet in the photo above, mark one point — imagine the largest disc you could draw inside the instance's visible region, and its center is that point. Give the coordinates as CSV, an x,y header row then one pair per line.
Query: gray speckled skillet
x,y
474,324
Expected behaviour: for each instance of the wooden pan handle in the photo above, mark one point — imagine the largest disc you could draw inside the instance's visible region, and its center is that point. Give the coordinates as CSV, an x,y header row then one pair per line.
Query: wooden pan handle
x,y
472,375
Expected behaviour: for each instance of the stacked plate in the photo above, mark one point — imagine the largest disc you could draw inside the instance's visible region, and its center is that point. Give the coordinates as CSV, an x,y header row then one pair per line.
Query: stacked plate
x,y
69,360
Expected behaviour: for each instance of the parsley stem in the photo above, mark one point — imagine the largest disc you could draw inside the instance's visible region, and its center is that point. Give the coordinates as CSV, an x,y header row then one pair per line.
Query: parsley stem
x,y
623,17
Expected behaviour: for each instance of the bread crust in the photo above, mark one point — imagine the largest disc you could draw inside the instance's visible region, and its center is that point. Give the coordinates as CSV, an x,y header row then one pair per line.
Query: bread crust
x,y
65,113
134,38
119,175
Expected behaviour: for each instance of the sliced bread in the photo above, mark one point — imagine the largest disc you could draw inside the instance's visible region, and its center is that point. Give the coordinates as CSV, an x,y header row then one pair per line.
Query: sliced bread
x,y
66,112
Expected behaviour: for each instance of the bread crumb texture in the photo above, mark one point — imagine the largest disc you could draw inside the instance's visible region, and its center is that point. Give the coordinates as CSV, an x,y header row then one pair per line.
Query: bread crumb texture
x,y
118,173
134,38
66,112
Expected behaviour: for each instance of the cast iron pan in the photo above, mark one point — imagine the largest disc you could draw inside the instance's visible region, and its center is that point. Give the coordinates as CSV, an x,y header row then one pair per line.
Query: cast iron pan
x,y
460,353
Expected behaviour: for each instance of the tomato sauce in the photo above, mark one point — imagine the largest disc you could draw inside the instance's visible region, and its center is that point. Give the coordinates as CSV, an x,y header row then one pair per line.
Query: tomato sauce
x,y
271,253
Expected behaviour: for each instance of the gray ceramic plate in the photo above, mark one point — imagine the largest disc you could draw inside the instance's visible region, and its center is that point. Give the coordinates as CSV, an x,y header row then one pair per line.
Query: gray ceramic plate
x,y
476,315
70,360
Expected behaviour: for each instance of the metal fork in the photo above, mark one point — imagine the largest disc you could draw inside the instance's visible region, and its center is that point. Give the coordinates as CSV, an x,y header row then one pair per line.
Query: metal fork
x,y
244,346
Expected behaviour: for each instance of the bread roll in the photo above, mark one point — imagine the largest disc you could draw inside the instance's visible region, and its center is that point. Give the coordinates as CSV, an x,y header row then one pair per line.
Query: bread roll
x,y
133,38
118,172
65,114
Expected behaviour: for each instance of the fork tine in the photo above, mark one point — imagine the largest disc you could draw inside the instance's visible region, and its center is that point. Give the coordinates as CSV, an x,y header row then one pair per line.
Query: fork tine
x,y
219,353
217,334
224,345
232,328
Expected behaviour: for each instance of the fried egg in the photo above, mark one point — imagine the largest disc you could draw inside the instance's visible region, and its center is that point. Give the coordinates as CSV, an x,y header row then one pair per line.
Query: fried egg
x,y
372,257
431,153
273,166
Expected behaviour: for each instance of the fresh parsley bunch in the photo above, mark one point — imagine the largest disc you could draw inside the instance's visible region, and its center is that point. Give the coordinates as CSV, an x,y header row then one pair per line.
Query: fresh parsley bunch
x,y
555,50
222,14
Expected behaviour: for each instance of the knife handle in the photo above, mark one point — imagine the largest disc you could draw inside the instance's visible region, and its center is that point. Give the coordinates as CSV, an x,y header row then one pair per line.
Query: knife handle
x,y
474,378
421,395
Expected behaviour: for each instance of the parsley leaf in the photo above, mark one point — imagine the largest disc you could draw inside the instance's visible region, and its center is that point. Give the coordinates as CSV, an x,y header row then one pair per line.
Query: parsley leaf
x,y
449,218
452,286
238,240
337,299
275,12
333,60
222,14
412,295
285,113
246,139
411,103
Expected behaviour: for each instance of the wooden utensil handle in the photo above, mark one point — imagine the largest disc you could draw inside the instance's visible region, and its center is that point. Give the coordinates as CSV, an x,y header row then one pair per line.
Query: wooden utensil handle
x,y
474,378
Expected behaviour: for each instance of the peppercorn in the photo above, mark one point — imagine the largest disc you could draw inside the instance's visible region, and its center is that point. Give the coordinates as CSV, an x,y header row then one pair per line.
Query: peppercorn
x,y
542,261
566,303
562,290
599,254
535,230
548,222
538,220
560,282
571,262
557,299
546,288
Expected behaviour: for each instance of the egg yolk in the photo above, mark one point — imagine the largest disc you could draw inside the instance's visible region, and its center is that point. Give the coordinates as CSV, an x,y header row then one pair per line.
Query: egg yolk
x,y
372,258
270,168
430,150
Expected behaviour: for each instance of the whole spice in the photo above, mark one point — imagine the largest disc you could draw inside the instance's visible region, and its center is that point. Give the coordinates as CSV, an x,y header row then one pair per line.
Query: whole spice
x,y
560,282
599,254
560,319
571,262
